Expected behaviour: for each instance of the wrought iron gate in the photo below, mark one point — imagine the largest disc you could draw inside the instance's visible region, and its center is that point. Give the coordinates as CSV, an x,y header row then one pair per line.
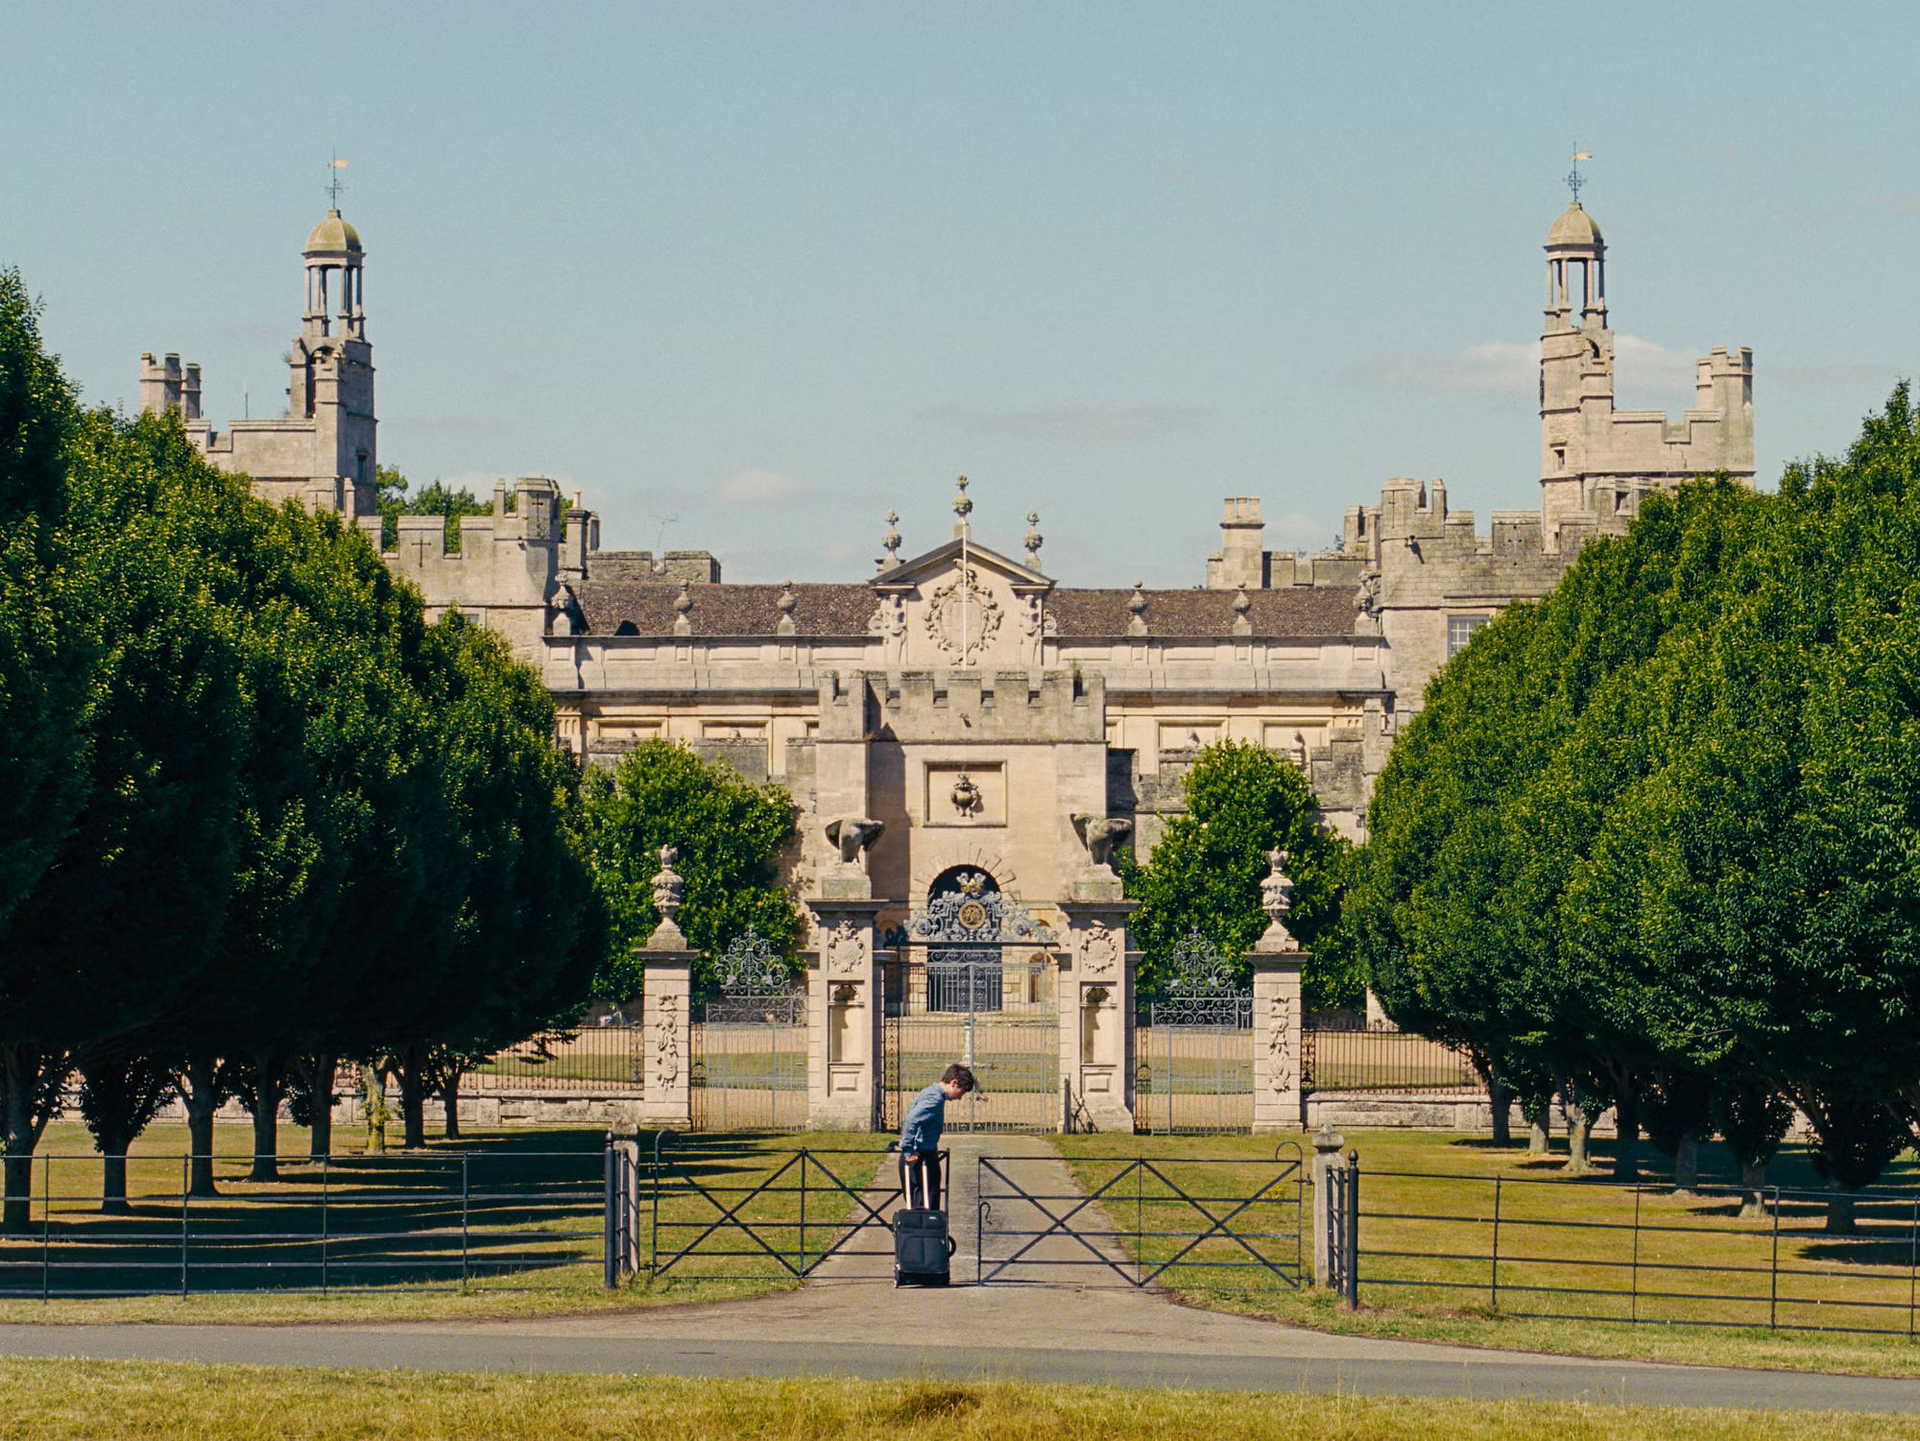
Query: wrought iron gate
x,y
1194,1054
749,1042
976,982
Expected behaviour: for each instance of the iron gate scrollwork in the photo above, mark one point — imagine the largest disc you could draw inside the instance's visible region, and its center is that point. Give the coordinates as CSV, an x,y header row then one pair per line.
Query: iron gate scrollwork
x,y
1196,1066
975,981
750,1040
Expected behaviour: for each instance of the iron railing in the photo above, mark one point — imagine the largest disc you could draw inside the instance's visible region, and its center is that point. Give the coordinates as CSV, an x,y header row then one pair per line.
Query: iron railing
x,y
1550,1248
436,1220
1339,1054
607,1059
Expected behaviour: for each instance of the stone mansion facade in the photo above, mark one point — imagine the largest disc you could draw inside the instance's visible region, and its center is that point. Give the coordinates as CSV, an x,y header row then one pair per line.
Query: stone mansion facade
x,y
961,709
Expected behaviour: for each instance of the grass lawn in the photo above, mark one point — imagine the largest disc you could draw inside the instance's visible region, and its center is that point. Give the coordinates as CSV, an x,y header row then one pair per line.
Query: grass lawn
x,y
57,1400
1574,1235
389,1242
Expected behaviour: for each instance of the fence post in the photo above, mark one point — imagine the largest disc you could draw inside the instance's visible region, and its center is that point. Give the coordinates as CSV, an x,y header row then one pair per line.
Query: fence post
x,y
46,1222
610,1272
466,1190
1352,1231
1773,1269
325,1226
186,1192
1494,1284
1326,1154
1633,1297
1913,1264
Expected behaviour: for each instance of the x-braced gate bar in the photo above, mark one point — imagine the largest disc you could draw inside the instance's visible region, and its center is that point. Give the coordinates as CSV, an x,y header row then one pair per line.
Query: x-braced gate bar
x,y
1143,1273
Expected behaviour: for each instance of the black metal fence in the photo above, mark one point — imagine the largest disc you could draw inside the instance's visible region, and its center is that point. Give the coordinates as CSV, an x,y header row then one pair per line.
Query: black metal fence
x,y
1344,1053
607,1059
1642,1255
437,1220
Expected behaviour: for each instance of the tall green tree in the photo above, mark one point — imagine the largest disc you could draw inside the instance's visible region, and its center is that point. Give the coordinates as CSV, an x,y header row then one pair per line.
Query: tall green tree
x,y
395,498
729,834
1204,875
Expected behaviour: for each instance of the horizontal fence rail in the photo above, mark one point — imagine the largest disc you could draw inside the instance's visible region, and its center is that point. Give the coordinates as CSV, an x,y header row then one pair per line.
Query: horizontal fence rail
x,y
414,1221
1546,1248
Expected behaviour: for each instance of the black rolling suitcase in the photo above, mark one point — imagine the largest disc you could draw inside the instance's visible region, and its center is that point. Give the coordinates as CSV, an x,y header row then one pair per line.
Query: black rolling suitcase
x,y
922,1249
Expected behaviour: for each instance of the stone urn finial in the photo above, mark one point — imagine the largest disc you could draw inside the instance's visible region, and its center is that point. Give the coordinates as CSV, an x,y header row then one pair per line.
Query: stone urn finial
x,y
1033,540
667,886
1276,899
962,507
890,541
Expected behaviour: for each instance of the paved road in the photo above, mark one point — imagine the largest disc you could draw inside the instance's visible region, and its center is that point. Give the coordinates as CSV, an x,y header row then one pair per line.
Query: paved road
x,y
850,1321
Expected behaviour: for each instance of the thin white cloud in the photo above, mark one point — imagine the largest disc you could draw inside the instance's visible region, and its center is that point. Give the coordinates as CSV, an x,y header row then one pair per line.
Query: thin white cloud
x,y
1510,368
759,487
1497,365
1075,422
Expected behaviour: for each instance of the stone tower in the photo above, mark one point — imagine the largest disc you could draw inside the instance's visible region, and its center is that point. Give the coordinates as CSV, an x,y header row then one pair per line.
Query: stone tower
x,y
1595,461
321,452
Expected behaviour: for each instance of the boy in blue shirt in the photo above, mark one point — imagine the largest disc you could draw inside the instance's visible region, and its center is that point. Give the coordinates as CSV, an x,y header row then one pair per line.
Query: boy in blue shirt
x,y
920,1135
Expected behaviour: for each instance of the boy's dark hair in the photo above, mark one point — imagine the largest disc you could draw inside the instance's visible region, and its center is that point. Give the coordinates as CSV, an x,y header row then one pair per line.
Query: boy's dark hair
x,y
960,1076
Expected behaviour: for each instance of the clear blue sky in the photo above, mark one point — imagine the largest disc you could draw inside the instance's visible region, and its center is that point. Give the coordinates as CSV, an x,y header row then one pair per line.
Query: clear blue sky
x,y
773,269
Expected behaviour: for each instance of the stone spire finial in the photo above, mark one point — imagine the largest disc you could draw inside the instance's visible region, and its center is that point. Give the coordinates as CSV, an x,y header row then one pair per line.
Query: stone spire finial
x,y
962,507
1033,540
1137,604
890,542
682,604
1276,899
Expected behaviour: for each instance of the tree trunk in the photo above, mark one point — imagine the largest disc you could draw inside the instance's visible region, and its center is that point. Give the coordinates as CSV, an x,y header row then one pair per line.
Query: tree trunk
x,y
1538,1141
113,1181
1626,1135
1501,1100
1840,1211
266,1123
324,1066
413,1096
1686,1164
1579,1129
1753,1178
373,1098
450,1101
30,1085
202,1099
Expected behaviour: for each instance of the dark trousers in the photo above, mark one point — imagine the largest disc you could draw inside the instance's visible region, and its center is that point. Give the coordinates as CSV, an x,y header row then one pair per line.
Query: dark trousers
x,y
920,1177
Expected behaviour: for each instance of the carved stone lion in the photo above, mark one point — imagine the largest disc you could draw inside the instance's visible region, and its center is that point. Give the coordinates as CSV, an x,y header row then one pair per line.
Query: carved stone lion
x,y
851,835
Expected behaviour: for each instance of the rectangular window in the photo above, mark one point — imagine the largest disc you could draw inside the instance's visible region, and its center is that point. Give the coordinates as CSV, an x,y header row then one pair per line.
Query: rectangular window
x,y
1460,629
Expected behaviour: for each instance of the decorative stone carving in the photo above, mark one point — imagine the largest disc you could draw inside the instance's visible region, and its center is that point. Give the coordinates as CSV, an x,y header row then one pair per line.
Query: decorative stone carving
x,y
1137,606
666,1048
966,796
1280,1057
1100,834
1033,540
785,605
683,607
667,885
890,542
844,950
1242,607
1099,952
1276,899
851,835
964,593
889,622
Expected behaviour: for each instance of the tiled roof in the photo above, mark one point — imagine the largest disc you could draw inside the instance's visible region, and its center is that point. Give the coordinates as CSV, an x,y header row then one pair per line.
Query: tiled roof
x,y
725,609
1302,610
844,610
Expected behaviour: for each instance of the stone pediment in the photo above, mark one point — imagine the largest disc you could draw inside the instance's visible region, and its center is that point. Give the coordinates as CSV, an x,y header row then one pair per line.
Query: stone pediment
x,y
943,562
936,610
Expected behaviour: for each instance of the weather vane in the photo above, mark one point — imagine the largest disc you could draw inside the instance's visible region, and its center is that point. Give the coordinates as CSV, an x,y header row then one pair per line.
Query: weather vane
x,y
334,186
1574,179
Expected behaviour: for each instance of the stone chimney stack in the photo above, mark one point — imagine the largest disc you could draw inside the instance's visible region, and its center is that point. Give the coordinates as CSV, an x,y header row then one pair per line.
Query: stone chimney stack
x,y
1242,559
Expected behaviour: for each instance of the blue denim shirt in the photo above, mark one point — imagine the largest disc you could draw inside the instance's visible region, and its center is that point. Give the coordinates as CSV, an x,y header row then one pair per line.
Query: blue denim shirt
x,y
925,1118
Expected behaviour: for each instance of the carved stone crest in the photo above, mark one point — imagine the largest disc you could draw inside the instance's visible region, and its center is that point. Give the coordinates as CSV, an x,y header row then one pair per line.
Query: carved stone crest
x,y
666,1046
845,951
1280,1059
945,608
1099,952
